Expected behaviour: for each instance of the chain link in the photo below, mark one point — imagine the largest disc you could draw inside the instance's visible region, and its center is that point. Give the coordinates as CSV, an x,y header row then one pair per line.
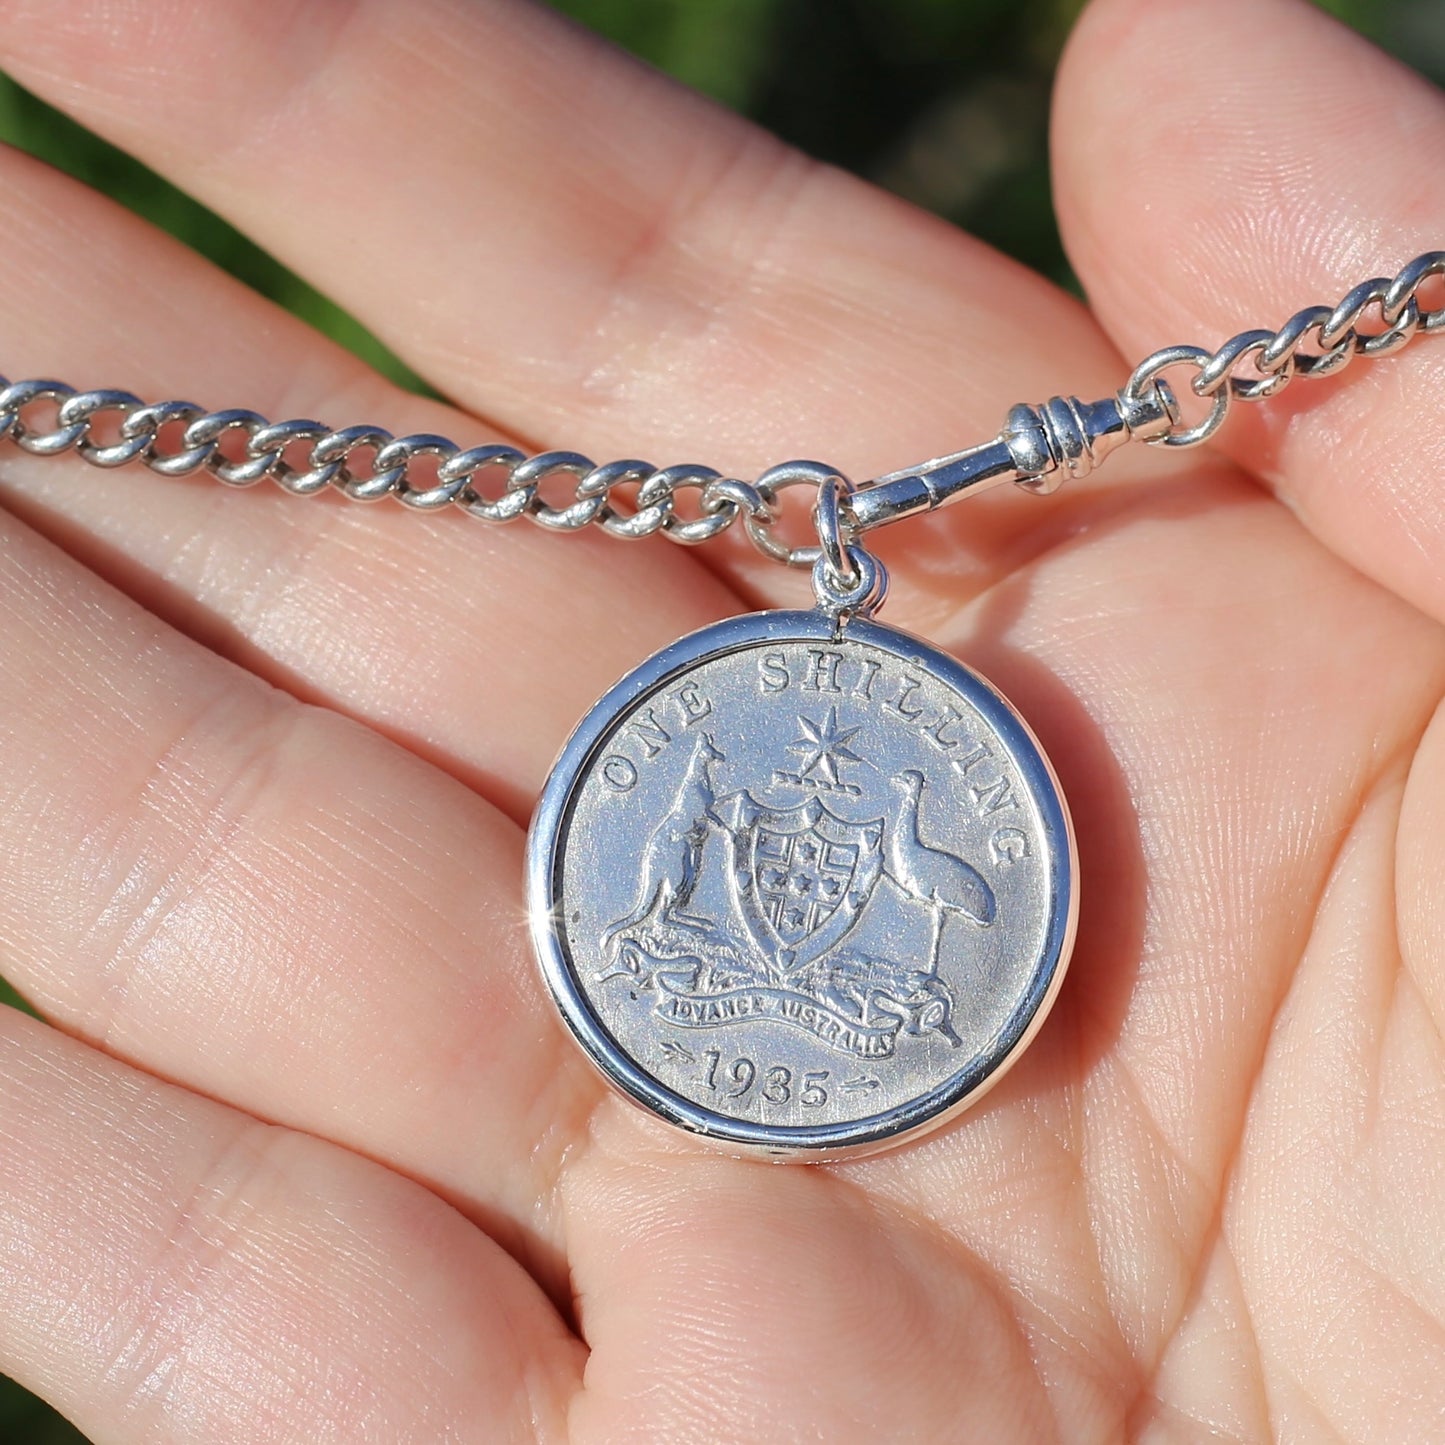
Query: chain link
x,y
631,498
1257,365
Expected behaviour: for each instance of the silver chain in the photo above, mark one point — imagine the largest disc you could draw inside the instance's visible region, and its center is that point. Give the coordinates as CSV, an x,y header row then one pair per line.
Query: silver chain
x,y
1036,449
1275,357
303,457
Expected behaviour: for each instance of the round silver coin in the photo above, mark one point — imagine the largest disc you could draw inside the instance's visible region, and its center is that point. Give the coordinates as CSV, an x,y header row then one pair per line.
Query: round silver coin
x,y
803,892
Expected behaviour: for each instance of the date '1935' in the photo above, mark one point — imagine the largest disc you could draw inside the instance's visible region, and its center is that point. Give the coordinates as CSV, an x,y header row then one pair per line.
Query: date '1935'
x,y
780,1085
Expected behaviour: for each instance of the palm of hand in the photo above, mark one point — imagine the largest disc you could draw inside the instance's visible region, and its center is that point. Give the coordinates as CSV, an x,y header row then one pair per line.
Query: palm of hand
x,y
1206,1196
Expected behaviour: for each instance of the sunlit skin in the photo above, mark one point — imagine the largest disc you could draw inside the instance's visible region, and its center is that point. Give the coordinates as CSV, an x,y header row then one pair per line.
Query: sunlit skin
x,y
306,1155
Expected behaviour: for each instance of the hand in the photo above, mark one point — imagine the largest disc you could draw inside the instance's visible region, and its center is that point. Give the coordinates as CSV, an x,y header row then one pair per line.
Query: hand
x,y
310,1157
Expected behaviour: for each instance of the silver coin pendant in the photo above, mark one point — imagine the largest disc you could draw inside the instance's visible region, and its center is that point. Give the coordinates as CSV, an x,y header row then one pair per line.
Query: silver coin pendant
x,y
802,888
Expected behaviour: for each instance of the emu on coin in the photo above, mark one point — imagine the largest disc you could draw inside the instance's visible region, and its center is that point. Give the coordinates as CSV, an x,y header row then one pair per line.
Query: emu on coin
x,y
931,876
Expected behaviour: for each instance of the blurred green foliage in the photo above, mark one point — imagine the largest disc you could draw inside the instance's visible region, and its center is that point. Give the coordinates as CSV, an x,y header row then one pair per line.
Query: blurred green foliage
x,y
943,101
24,1420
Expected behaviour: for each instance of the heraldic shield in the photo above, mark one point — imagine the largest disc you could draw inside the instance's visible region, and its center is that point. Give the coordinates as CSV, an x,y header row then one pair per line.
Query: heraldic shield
x,y
800,877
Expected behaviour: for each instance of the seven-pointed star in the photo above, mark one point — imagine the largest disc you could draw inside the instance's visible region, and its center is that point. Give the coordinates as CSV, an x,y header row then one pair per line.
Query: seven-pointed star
x,y
824,746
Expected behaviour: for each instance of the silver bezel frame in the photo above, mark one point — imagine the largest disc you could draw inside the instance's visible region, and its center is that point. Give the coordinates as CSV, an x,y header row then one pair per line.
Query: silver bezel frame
x,y
547,837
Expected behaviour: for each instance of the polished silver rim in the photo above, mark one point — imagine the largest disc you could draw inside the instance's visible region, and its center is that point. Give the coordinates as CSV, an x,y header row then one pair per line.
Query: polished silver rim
x,y
548,837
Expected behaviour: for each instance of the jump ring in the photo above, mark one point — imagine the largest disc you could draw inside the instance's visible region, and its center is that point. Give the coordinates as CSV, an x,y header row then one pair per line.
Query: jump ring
x,y
831,542
1151,367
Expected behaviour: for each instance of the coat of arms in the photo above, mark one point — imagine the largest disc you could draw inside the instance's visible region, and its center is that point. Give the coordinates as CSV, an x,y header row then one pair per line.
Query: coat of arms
x,y
800,876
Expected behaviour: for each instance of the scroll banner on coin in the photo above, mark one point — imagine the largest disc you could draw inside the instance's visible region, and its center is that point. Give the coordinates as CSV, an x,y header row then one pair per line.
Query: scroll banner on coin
x,y
689,1010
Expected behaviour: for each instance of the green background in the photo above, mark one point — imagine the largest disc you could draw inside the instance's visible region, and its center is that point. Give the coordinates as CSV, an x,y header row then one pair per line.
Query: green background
x,y
943,101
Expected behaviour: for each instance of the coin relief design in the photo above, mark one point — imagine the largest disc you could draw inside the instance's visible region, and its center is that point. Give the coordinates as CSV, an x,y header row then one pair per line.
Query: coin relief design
x,y
802,890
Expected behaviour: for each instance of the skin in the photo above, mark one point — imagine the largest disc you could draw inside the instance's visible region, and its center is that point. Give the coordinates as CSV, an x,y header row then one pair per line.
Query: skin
x,y
306,1157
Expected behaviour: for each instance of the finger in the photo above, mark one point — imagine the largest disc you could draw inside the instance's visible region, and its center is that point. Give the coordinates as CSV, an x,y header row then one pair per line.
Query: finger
x,y
365,609
661,278
1332,1215
730,1301
269,903
1179,238
1419,899
175,1270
